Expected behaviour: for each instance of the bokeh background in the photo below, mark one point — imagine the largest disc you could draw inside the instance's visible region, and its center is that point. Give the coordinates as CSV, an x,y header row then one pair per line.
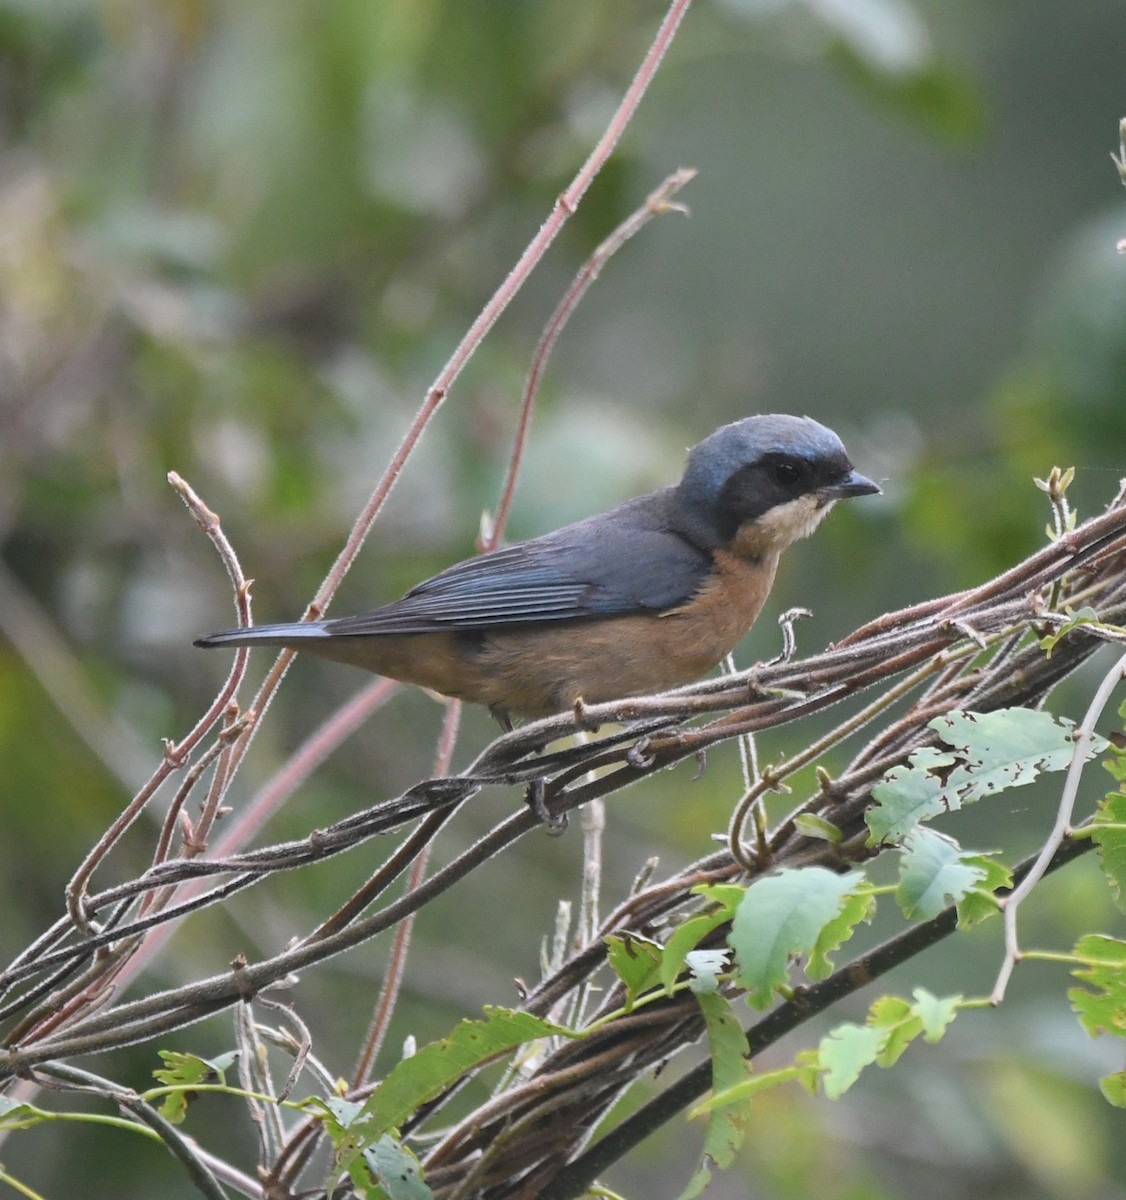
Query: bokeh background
x,y
239,240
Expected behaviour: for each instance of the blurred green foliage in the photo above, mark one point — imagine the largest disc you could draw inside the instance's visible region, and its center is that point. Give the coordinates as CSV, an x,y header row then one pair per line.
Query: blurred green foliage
x,y
239,240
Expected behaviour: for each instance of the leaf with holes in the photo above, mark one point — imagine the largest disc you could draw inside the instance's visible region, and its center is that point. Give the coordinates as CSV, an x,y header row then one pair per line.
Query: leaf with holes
x,y
782,915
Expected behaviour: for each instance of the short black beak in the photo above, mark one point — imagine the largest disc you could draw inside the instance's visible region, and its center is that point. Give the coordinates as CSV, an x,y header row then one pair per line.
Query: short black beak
x,y
853,484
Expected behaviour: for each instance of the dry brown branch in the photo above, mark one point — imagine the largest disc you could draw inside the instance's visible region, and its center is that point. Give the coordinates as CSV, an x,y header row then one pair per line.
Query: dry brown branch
x,y
977,650
1088,567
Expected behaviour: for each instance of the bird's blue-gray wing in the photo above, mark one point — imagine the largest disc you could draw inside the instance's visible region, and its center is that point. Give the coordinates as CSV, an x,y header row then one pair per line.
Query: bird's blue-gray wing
x,y
626,561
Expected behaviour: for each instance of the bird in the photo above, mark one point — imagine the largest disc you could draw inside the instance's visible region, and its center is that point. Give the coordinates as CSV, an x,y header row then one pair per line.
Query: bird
x,y
644,597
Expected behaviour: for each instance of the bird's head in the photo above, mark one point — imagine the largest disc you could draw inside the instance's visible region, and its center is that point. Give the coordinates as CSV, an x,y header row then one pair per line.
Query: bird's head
x,y
757,485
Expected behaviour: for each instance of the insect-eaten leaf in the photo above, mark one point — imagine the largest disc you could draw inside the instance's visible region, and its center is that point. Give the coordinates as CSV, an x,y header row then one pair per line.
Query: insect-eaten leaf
x,y
783,915
991,752
187,1071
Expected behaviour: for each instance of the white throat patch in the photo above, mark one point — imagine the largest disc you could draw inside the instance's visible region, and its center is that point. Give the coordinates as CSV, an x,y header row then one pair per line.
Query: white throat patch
x,y
787,523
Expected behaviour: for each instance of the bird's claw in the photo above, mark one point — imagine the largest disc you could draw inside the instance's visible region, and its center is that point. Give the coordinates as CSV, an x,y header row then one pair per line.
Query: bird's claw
x,y
535,797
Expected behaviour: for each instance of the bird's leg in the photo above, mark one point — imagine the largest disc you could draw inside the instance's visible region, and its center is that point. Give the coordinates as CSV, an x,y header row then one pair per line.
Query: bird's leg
x,y
501,717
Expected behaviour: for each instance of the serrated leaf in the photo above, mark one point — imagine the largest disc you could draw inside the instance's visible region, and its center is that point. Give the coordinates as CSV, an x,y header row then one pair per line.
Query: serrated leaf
x,y
727,1122
885,1012
684,939
807,1065
1115,763
993,752
781,915
980,902
1102,1010
908,795
727,896
636,961
857,907
185,1071
435,1066
1109,835
935,1012
337,1116
845,1052
1006,749
900,1023
385,1170
932,868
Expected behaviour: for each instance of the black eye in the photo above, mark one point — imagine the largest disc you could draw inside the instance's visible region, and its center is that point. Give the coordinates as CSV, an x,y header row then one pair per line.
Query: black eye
x,y
786,473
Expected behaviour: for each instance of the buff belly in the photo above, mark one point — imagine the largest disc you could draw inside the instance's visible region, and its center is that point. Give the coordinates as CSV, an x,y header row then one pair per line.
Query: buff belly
x,y
538,669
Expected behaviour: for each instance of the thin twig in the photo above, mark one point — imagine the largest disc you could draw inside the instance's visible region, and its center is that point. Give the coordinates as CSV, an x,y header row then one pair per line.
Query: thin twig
x,y
657,203
1079,756
174,756
393,978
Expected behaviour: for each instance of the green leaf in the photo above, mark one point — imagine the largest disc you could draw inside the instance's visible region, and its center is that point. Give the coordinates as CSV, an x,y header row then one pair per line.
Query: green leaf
x,y
908,795
636,961
1113,1088
980,901
993,751
727,1122
727,896
859,906
187,1071
1110,836
935,1012
1116,764
845,1052
1102,1010
1005,749
1075,619
893,1024
900,1023
806,1071
931,869
684,939
395,1170
781,915
344,1121
336,1115
811,825
434,1067
17,1114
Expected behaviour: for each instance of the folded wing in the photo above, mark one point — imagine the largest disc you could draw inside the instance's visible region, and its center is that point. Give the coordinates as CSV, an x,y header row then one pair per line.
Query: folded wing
x,y
628,560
